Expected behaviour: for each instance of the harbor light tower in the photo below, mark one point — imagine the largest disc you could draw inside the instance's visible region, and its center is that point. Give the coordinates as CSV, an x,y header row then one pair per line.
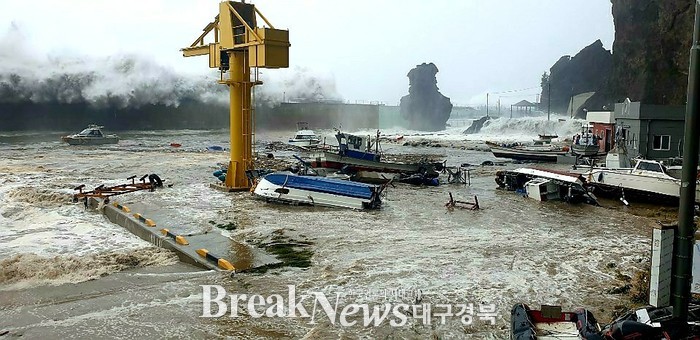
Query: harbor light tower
x,y
239,45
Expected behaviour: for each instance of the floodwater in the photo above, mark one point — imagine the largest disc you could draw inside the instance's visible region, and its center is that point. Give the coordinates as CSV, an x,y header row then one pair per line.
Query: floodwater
x,y
67,272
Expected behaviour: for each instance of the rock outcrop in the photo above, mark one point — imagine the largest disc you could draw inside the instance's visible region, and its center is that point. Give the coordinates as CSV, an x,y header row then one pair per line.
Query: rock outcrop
x,y
651,50
425,108
650,57
587,71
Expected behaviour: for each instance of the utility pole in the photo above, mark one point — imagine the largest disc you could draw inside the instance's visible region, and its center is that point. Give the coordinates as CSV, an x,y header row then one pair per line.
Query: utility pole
x,y
571,114
549,98
682,272
511,111
499,106
487,104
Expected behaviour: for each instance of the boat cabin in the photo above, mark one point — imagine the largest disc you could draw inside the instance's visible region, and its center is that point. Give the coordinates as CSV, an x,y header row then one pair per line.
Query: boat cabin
x,y
650,168
356,147
304,135
92,131
544,140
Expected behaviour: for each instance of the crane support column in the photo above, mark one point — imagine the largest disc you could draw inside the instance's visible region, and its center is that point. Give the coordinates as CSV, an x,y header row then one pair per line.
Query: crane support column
x,y
240,120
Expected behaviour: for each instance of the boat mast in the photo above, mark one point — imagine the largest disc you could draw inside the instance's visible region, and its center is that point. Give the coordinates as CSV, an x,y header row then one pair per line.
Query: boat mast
x,y
683,248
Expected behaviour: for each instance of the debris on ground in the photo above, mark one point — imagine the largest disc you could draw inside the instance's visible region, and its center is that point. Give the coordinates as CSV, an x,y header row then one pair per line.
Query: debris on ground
x,y
452,204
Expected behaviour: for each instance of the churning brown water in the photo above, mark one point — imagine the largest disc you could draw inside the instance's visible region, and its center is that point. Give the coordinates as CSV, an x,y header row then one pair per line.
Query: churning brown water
x,y
65,272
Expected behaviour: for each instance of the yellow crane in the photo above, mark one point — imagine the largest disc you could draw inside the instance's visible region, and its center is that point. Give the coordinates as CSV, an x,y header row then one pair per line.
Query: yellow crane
x,y
239,45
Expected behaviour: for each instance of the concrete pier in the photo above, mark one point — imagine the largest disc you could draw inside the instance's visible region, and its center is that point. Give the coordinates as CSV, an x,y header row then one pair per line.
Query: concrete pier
x,y
208,250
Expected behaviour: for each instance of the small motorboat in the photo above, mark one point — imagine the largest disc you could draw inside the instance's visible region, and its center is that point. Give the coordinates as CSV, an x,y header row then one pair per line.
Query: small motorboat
x,y
551,323
540,150
304,136
92,135
586,143
286,187
546,185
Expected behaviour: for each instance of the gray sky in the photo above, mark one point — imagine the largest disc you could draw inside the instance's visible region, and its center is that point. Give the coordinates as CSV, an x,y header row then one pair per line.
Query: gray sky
x,y
368,47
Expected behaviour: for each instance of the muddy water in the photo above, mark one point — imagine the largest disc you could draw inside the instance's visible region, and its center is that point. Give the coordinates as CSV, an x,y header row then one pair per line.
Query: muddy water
x,y
68,272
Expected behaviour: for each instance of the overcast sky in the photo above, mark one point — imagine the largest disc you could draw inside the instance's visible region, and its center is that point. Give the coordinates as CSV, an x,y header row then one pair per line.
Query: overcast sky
x,y
367,46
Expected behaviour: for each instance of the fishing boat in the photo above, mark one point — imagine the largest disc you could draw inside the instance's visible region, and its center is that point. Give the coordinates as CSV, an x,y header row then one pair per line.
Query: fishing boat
x,y
540,150
546,185
362,158
551,323
304,136
92,135
586,143
648,180
286,187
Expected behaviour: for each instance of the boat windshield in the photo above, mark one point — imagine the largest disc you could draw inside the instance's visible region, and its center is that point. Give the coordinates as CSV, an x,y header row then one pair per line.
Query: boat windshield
x,y
304,137
91,132
651,166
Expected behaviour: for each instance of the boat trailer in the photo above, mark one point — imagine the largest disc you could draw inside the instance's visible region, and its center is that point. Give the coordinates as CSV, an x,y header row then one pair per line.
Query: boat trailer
x,y
105,192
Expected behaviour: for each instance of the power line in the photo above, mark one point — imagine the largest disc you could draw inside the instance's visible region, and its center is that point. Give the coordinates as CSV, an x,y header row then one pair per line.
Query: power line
x,y
519,90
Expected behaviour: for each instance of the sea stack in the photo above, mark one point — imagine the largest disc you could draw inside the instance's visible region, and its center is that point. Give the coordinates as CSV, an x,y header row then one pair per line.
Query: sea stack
x,y
425,108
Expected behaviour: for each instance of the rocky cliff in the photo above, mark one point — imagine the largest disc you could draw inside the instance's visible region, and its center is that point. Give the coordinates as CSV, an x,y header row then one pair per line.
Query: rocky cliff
x,y
651,50
649,62
588,71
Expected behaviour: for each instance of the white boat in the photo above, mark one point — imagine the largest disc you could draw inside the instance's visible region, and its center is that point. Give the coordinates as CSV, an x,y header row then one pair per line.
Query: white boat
x,y
92,135
286,187
647,180
304,136
546,185
586,143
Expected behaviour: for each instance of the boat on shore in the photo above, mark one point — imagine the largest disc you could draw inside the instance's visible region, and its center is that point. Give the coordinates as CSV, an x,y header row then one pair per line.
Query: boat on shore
x,y
647,181
541,150
92,135
361,158
304,136
286,187
585,144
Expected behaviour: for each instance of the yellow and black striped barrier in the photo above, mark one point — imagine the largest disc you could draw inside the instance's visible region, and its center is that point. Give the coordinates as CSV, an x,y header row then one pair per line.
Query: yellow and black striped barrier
x,y
179,239
122,207
222,263
147,221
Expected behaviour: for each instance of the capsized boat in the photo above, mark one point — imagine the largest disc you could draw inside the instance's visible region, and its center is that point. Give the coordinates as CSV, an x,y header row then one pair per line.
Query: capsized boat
x,y
546,185
286,187
361,157
540,150
304,136
92,135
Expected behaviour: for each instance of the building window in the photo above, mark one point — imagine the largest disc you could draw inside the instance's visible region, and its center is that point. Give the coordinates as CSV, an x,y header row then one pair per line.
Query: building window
x,y
662,142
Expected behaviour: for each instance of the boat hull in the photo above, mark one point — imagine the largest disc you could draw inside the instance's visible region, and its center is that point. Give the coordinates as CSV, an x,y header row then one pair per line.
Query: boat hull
x,y
526,155
642,188
304,142
585,150
72,140
335,161
317,191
